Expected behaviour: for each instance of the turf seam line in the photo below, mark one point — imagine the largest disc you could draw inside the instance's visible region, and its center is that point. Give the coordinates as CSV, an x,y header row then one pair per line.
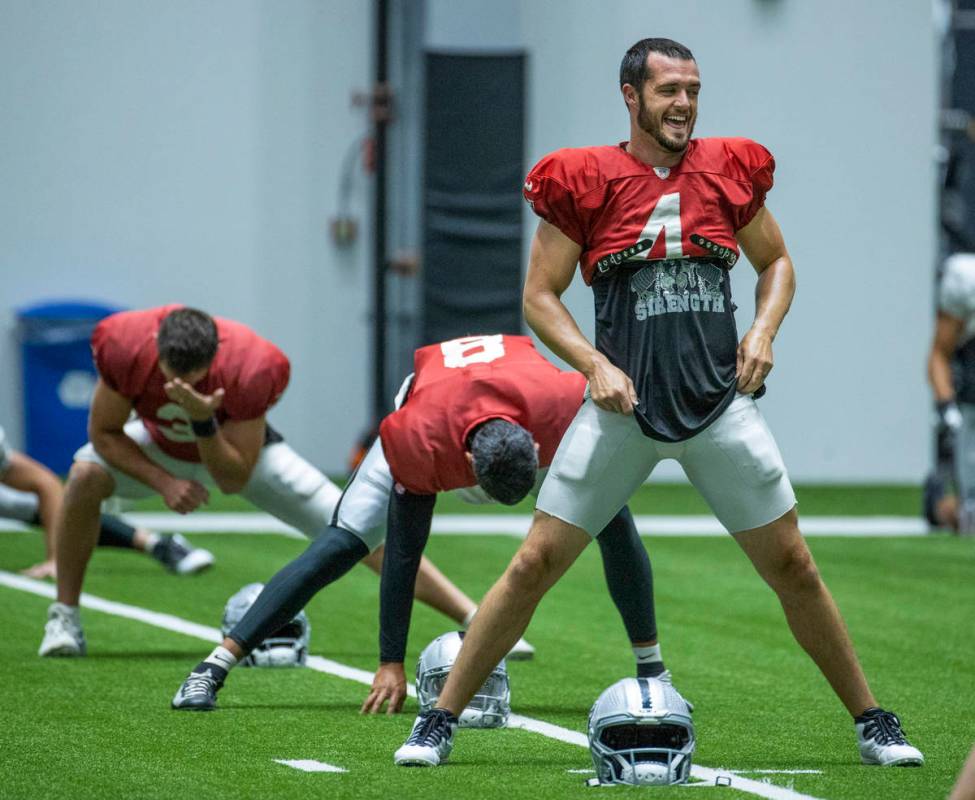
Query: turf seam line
x,y
176,624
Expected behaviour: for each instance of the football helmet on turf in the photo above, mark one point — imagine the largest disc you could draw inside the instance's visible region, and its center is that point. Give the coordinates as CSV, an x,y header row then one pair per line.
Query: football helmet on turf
x,y
640,733
489,708
286,647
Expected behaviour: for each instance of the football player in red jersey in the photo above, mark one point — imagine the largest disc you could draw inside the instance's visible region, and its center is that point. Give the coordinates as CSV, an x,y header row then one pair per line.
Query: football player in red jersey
x,y
201,387
655,224
482,416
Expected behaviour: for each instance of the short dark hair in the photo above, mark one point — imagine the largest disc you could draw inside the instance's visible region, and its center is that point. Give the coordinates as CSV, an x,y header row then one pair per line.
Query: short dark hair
x,y
187,340
505,460
633,69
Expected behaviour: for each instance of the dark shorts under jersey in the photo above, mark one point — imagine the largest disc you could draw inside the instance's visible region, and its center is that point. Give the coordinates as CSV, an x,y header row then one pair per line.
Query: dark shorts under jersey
x,y
670,325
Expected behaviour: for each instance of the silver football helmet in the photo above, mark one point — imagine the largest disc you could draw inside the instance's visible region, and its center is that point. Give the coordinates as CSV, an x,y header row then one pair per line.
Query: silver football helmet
x,y
491,705
641,733
286,647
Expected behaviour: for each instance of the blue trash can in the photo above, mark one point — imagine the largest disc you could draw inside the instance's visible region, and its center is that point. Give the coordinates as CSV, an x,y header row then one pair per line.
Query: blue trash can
x,y
59,377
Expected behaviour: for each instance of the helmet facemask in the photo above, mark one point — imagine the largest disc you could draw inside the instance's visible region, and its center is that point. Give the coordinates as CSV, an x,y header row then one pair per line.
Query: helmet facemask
x,y
641,733
286,647
645,754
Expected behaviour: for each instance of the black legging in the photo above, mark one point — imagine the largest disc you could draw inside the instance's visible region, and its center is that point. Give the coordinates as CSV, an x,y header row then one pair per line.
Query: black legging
x,y
327,559
629,576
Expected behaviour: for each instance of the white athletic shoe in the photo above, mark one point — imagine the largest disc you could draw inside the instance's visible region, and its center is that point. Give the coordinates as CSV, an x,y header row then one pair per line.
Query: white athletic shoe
x,y
882,742
430,742
522,651
62,633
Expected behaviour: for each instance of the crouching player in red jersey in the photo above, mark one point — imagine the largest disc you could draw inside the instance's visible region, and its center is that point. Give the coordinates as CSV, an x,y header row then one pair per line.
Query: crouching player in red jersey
x,y
31,493
201,387
482,415
655,224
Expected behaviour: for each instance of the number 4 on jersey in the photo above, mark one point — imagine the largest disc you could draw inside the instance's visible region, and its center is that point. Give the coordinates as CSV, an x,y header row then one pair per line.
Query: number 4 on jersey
x,y
666,218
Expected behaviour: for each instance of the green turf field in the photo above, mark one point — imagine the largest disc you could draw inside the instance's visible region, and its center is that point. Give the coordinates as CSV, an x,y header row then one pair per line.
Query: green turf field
x,y
101,727
656,498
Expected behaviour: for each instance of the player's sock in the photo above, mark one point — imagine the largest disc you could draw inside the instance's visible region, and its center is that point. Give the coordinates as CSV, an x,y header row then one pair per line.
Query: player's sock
x,y
468,617
221,658
116,533
649,662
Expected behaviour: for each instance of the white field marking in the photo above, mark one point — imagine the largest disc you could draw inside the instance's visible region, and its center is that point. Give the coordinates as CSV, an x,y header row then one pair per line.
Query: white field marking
x,y
775,771
309,765
513,525
176,624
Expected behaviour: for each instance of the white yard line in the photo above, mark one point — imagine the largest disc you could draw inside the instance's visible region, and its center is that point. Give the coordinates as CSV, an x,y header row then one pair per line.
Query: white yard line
x,y
178,625
515,524
309,765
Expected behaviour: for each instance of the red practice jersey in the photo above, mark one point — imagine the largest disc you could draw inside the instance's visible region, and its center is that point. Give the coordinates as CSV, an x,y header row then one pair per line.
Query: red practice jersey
x,y
657,243
607,200
252,372
460,384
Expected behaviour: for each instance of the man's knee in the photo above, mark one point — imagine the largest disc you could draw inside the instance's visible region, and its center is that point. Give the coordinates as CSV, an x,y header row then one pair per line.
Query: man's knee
x,y
794,571
89,481
533,570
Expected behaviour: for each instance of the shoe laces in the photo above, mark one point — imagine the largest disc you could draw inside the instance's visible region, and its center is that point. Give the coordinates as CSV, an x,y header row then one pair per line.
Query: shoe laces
x,y
430,729
64,618
884,728
200,683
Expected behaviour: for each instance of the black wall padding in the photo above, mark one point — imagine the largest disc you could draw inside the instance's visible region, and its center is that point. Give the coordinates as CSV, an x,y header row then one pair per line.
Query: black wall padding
x,y
472,220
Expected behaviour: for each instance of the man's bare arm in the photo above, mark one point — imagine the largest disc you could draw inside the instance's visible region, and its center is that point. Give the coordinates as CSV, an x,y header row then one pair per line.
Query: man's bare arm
x,y
551,267
947,333
762,241
106,421
231,453
109,413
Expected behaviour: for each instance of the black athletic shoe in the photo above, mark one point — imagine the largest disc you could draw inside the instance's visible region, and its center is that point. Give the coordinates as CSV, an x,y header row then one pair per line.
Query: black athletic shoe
x,y
199,690
177,555
430,742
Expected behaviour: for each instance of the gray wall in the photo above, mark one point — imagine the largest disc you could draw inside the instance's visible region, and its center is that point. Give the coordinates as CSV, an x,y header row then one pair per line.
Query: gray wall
x,y
844,95
153,152
190,151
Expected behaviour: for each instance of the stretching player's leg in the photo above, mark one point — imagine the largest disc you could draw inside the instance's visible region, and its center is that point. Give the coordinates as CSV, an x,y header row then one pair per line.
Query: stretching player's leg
x,y
78,526
781,557
76,532
19,505
39,493
325,560
629,577
551,548
171,550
